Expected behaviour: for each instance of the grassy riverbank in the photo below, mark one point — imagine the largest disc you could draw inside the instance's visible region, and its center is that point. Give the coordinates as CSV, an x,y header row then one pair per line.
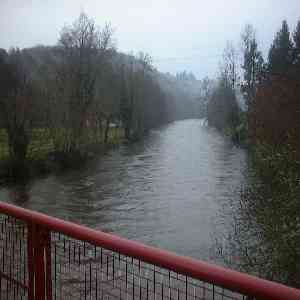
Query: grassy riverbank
x,y
48,150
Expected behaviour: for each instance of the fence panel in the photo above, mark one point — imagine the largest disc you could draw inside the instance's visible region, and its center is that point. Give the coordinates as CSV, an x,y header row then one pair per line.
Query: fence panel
x,y
85,271
13,258
44,258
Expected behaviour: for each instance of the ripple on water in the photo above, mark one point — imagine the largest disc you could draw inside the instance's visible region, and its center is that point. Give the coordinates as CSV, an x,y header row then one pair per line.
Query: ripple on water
x,y
164,190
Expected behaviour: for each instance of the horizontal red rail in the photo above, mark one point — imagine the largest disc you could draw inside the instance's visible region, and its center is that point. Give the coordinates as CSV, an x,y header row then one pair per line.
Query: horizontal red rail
x,y
229,279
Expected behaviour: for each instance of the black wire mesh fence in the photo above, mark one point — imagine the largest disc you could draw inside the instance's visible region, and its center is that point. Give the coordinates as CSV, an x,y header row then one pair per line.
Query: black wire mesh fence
x,y
13,259
39,261
84,271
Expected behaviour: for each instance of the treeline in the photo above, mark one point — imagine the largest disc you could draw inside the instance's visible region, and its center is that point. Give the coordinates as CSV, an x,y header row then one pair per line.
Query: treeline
x,y
245,99
265,236
183,92
274,110
274,132
57,102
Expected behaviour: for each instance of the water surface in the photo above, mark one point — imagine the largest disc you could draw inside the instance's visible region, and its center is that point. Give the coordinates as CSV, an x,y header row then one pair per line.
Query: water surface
x,y
165,190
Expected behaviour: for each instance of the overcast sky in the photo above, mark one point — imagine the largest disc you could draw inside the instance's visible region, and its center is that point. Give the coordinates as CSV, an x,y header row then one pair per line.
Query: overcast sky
x,y
179,34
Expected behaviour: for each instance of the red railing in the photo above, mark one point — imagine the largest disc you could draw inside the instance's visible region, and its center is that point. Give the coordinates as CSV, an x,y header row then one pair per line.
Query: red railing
x,y
42,257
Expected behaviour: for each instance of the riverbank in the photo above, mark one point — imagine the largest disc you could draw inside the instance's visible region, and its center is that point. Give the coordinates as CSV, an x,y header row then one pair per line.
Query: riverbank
x,y
182,187
45,153
163,190
263,236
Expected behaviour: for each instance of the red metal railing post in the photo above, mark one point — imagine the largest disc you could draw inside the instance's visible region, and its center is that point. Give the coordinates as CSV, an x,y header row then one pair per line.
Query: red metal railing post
x,y
30,261
48,265
39,263
39,253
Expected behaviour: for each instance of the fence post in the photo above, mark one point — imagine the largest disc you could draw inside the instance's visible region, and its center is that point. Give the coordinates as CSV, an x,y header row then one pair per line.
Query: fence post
x,y
30,261
39,263
48,265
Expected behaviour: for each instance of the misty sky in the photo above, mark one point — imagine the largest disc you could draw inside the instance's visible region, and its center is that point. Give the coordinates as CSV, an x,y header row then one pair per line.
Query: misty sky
x,y
179,34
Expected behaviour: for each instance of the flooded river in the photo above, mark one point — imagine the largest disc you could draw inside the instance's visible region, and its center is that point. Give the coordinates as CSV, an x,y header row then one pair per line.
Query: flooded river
x,y
166,190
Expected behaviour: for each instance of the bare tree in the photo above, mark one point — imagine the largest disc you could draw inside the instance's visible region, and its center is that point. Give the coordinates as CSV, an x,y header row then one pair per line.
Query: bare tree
x,y
141,82
84,48
17,104
135,84
206,90
229,65
108,101
252,62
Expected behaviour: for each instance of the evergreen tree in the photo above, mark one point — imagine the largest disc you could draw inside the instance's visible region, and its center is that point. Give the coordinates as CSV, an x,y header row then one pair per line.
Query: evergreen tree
x,y
296,39
252,63
280,54
296,35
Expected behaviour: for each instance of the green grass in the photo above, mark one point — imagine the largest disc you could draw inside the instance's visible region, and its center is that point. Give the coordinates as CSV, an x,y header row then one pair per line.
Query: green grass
x,y
4,154
45,141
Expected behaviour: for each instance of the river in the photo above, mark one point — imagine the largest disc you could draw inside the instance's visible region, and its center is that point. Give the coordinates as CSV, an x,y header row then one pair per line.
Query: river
x,y
166,190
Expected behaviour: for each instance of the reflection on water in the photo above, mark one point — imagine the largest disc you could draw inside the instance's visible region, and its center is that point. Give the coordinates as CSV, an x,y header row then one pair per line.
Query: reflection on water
x,y
165,190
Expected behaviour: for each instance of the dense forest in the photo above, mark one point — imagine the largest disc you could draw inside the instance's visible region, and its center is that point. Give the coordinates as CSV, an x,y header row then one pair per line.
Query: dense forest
x,y
255,99
58,104
265,236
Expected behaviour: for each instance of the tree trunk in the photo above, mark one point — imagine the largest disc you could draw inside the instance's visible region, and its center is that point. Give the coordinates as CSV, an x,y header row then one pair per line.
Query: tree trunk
x,y
127,132
18,145
106,129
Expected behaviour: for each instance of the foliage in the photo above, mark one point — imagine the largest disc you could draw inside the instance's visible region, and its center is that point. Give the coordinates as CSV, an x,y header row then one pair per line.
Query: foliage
x,y
280,54
206,90
229,65
79,89
274,117
222,110
18,98
263,236
296,40
252,63
239,132
83,49
263,228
